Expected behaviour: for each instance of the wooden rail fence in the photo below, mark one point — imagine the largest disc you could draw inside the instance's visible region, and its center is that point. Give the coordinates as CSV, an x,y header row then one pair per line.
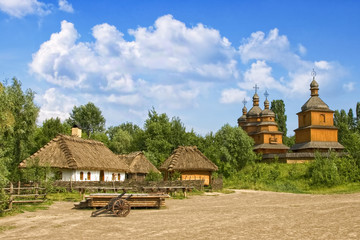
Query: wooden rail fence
x,y
24,194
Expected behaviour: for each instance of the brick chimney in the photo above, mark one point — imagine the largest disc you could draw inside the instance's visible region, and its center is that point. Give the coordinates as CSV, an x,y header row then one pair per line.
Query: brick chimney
x,y
76,131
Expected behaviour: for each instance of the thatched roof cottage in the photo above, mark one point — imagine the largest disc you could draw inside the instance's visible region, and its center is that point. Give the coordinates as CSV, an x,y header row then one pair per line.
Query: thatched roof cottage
x,y
191,163
139,165
79,159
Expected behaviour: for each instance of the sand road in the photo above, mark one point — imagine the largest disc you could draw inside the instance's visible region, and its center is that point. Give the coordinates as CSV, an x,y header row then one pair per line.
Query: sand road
x,y
241,215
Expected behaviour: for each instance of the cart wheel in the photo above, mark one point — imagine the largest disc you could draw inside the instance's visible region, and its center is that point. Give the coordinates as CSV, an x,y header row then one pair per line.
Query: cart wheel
x,y
121,208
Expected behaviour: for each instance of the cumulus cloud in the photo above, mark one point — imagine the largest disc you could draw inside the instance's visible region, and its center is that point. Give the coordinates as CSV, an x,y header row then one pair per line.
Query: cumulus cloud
x,y
233,95
65,6
21,8
261,52
55,104
349,87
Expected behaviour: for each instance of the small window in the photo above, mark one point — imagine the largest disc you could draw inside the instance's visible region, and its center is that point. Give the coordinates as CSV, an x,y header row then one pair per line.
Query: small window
x,y
81,176
119,176
89,176
322,118
113,176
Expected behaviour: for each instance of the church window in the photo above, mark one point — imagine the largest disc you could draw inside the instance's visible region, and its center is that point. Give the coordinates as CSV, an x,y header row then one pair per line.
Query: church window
x,y
322,118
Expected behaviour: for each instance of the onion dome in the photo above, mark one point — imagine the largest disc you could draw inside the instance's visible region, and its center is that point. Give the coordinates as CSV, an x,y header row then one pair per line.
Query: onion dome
x,y
267,111
315,102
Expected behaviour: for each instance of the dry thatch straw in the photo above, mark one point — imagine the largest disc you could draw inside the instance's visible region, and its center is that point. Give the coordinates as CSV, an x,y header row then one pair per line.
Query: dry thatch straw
x,y
188,158
77,153
138,163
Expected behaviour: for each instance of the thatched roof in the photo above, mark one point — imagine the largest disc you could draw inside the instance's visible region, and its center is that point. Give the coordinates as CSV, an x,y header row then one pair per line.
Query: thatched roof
x,y
77,153
138,163
188,158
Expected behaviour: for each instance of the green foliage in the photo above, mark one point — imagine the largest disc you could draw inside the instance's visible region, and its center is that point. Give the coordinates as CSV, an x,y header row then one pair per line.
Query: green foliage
x,y
231,150
174,176
89,117
289,141
324,172
278,107
154,176
49,130
120,141
34,172
17,117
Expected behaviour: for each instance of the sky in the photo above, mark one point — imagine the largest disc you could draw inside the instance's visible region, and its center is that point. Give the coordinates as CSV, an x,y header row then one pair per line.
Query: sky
x,y
196,60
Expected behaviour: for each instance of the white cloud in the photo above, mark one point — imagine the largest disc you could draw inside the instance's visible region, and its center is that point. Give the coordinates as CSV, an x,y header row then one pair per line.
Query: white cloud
x,y
65,6
274,51
260,73
350,86
233,95
21,8
130,100
55,104
302,49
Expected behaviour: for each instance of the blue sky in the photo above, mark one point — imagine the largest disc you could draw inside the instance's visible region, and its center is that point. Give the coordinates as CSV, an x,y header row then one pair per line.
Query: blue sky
x,y
196,60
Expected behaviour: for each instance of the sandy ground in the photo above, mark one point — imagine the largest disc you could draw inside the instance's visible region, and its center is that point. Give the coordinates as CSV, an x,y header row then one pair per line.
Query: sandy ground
x,y
241,215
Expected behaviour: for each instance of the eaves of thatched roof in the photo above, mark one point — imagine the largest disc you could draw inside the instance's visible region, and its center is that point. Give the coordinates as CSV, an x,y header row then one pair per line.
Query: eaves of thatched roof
x,y
188,158
77,153
138,163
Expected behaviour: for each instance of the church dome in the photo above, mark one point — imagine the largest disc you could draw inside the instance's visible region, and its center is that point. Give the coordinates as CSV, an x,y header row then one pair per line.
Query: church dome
x,y
315,103
254,111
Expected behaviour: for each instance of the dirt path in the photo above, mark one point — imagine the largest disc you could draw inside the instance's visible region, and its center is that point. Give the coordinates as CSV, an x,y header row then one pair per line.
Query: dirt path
x,y
242,215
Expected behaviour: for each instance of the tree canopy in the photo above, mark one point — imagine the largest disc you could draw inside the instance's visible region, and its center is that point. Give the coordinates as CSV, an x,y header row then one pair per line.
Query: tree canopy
x,y
89,117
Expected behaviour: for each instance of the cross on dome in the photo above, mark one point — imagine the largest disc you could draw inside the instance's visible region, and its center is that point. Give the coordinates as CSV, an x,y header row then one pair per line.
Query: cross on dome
x,y
256,88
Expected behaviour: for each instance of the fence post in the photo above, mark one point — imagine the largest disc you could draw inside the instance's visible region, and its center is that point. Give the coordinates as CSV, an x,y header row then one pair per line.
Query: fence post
x,y
36,188
11,188
19,184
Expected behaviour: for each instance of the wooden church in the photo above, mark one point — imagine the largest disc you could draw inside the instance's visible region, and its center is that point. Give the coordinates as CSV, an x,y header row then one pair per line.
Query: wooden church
x,y
261,126
316,131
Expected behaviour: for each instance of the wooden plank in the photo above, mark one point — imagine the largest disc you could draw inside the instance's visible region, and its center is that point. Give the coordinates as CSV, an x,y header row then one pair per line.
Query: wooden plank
x,y
30,195
27,201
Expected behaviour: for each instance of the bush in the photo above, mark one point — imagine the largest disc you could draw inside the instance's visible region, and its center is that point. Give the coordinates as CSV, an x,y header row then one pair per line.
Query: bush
x,y
323,171
153,176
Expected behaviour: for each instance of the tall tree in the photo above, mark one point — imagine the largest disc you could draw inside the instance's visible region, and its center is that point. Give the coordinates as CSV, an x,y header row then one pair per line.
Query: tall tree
x,y
278,107
21,113
89,117
233,149
49,129
351,120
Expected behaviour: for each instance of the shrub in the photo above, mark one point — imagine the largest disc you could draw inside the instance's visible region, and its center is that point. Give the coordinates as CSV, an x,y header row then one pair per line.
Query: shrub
x,y
323,171
153,176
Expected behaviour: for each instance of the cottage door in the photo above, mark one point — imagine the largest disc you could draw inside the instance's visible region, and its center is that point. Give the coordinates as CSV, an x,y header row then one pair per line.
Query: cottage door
x,y
102,175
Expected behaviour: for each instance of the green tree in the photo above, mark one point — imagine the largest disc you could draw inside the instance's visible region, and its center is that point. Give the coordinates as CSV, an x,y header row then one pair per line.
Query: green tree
x,y
89,118
232,149
351,120
120,141
49,130
278,107
21,113
157,130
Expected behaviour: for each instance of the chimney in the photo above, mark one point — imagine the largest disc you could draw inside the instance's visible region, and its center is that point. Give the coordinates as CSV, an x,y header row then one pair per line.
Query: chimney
x,y
76,131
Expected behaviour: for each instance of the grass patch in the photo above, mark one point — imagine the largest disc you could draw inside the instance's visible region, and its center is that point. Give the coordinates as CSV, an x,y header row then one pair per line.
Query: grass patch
x,y
6,227
66,197
21,208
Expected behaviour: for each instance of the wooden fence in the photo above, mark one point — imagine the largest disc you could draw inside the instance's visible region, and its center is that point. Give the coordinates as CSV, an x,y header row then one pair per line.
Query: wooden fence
x,y
24,194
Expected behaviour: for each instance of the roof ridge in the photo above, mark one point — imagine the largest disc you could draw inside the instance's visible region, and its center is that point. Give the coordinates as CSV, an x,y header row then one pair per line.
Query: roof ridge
x,y
174,159
68,155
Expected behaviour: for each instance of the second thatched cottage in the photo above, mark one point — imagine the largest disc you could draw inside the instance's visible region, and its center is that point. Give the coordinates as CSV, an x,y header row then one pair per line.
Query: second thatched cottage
x,y
191,163
139,165
77,159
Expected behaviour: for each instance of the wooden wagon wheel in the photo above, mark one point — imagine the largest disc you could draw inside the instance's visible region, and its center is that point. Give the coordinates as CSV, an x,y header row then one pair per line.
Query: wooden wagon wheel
x,y
121,208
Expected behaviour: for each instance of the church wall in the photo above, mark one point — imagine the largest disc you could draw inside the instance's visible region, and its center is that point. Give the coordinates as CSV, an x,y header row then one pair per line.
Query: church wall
x,y
302,135
322,118
268,128
324,135
304,119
